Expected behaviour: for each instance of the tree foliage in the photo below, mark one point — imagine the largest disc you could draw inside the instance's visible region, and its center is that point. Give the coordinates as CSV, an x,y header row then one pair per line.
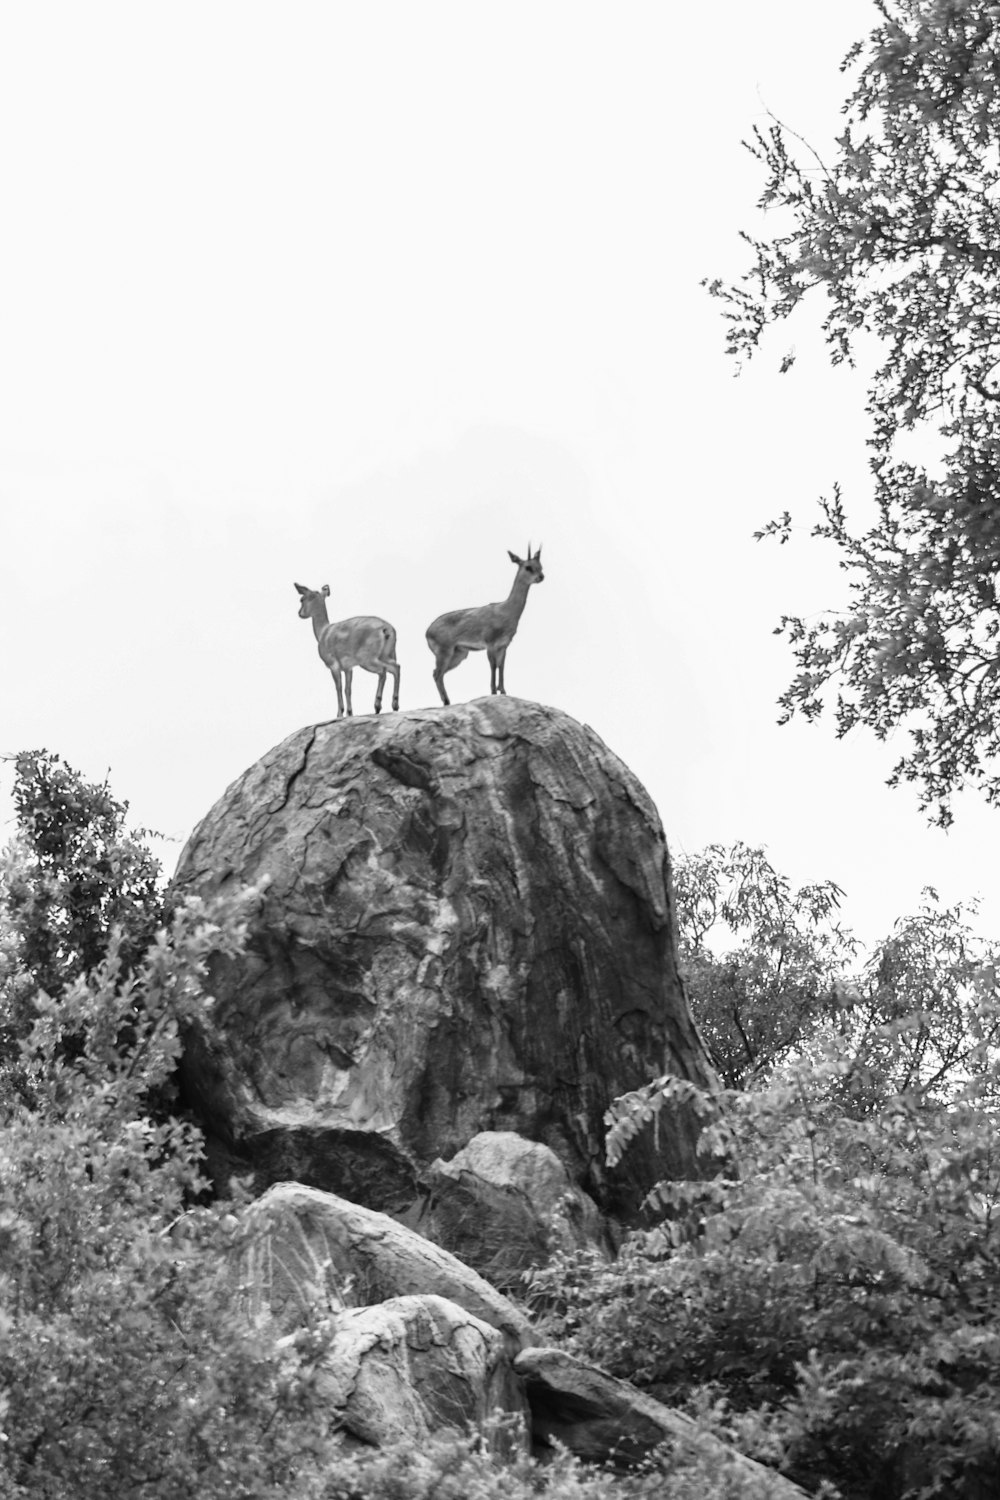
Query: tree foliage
x,y
761,998
901,231
769,968
837,1285
73,878
76,874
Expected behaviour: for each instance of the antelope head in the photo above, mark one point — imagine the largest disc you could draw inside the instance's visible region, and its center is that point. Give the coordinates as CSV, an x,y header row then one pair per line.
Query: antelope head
x,y
309,597
532,565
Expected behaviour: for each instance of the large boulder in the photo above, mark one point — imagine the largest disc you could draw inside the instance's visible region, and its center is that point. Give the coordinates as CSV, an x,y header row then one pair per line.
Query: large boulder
x,y
307,1250
467,927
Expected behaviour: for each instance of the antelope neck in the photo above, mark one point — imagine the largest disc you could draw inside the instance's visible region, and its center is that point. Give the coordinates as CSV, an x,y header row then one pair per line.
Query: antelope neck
x,y
518,594
320,618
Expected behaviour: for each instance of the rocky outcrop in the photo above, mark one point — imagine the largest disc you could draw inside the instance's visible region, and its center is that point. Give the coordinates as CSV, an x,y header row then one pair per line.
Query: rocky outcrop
x,y
607,1421
504,1204
419,1343
413,1366
306,1249
467,927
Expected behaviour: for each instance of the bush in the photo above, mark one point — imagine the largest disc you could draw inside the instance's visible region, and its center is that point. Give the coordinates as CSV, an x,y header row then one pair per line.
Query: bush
x,y
126,1365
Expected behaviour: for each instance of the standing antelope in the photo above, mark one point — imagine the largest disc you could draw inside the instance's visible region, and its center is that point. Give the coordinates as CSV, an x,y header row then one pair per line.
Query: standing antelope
x,y
489,628
362,641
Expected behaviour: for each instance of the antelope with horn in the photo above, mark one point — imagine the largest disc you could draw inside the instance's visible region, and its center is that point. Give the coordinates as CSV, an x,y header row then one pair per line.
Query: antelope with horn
x,y
362,641
489,628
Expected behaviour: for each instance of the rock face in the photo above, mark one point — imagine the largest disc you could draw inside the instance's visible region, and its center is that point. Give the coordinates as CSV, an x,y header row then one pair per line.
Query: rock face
x,y
467,928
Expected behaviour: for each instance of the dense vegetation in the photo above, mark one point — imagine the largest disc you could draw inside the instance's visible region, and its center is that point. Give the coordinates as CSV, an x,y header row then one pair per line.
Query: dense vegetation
x,y
125,1367
835,1294
901,231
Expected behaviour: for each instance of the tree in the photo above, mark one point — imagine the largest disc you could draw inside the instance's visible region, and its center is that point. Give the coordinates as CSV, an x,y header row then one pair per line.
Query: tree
x,y
73,876
923,1015
902,232
757,1002
797,976
76,874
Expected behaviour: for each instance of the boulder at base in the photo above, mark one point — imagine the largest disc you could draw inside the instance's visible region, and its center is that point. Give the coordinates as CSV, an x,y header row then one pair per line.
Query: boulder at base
x,y
414,1366
467,927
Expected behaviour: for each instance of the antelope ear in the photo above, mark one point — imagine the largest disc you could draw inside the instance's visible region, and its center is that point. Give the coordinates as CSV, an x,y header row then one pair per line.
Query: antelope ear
x,y
513,557
301,589
538,552
325,590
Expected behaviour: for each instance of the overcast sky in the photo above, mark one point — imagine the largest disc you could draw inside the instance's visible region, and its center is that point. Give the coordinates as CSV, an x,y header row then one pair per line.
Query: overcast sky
x,y
368,293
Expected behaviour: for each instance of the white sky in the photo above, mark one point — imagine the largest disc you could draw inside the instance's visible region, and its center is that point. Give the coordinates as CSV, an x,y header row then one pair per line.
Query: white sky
x,y
368,293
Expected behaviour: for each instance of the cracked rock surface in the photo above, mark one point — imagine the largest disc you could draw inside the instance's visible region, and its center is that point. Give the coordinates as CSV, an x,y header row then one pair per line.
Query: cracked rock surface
x,y
467,928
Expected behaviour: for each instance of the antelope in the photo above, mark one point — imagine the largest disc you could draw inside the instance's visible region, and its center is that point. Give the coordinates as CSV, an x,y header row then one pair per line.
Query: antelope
x,y
490,628
362,641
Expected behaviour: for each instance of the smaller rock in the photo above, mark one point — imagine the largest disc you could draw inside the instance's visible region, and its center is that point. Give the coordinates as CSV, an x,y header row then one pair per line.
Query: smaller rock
x,y
413,1366
608,1421
504,1204
572,1218
308,1247
489,1228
